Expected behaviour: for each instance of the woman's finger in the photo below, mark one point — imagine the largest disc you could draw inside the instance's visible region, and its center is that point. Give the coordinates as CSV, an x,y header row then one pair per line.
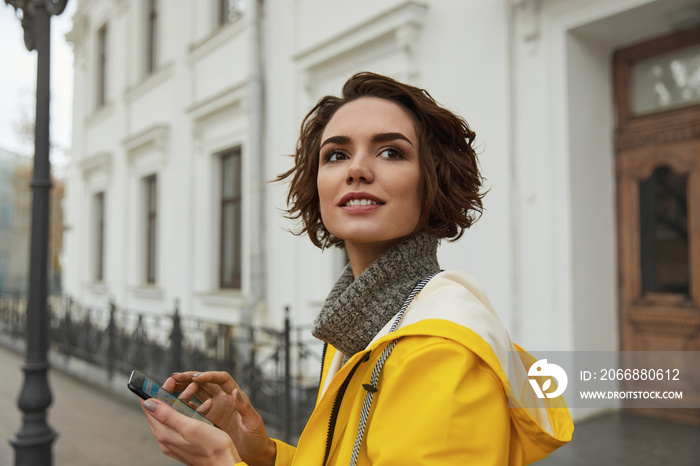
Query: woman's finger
x,y
160,430
242,404
189,392
205,407
170,385
184,376
220,378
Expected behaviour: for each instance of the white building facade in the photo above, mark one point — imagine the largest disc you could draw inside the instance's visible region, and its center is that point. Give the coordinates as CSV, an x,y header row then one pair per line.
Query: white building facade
x,y
185,110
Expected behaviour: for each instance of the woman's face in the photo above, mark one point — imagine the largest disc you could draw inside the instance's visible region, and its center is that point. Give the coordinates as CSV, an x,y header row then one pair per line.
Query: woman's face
x,y
369,179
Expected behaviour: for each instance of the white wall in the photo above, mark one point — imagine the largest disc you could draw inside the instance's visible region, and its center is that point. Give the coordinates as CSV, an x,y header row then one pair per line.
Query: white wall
x,y
593,218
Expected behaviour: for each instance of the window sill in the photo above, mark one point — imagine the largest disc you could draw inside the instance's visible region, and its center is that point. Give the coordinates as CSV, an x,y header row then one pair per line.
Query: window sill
x,y
100,114
147,292
97,288
150,81
223,298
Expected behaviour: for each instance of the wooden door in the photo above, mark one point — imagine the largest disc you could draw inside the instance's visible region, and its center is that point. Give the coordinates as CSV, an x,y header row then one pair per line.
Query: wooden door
x,y
657,150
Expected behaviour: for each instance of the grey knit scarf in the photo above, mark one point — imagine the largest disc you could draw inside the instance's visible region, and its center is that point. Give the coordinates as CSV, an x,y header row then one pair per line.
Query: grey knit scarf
x,y
357,309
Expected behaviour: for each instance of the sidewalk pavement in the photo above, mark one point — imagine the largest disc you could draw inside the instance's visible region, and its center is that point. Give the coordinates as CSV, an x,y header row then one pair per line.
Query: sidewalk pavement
x,y
100,426
95,426
621,439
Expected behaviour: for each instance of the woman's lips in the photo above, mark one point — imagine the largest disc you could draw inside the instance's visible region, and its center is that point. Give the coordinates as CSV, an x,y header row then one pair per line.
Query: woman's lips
x,y
360,209
359,198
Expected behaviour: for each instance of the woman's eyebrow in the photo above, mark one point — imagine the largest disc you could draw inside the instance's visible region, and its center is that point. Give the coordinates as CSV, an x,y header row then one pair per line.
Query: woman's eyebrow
x,y
379,137
386,137
336,140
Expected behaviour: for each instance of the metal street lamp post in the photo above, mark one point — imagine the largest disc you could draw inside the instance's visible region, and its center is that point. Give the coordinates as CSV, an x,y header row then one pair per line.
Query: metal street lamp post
x,y
33,442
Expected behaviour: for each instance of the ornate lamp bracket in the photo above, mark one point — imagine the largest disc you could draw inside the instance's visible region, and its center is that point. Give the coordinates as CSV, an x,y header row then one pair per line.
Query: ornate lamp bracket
x,y
26,11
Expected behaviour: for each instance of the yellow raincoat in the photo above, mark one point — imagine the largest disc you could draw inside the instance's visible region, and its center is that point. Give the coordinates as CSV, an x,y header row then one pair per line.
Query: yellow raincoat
x,y
444,397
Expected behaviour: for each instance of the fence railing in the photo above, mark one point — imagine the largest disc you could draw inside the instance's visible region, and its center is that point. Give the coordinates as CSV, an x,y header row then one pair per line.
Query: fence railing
x,y
277,369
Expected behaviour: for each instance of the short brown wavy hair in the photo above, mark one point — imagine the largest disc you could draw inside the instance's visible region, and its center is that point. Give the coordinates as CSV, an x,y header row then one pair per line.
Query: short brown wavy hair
x,y
452,200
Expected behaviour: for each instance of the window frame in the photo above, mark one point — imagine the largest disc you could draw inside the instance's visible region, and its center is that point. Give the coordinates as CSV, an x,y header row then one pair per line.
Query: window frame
x,y
150,206
99,210
223,12
151,36
101,71
234,204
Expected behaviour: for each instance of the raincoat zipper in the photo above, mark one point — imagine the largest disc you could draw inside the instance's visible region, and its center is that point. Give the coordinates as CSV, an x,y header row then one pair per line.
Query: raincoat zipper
x,y
336,408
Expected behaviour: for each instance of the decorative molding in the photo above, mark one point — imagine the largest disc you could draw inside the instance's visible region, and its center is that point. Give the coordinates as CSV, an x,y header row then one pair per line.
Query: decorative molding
x,y
233,95
76,36
668,311
407,39
639,163
682,324
653,136
401,24
96,163
162,74
156,135
81,20
527,19
156,138
641,167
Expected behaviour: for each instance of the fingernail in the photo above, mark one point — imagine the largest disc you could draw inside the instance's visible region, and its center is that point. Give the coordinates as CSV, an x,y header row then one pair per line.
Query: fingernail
x,y
150,405
238,395
197,375
174,373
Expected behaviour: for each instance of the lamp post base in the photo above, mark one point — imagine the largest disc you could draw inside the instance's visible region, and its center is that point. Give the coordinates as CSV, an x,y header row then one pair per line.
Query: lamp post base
x,y
33,442
33,445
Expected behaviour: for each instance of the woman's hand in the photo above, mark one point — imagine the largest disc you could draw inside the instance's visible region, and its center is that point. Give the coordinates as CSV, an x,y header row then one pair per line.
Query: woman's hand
x,y
225,404
188,440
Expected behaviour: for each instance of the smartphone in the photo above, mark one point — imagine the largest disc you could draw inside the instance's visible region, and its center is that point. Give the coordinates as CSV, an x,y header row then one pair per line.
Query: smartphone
x,y
146,388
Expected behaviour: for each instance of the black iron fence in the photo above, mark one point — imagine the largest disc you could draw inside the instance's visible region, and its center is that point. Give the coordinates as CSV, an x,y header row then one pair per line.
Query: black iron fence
x,y
277,369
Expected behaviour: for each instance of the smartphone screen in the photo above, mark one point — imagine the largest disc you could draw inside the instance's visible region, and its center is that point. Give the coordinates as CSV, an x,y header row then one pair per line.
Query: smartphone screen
x,y
146,388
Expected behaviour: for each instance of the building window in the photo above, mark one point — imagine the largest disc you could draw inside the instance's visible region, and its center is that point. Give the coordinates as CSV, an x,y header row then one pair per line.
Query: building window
x,y
102,66
151,35
227,11
222,12
99,232
151,217
230,249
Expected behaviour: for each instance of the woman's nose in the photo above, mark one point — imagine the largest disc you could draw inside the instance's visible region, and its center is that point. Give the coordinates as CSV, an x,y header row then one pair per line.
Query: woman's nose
x,y
359,170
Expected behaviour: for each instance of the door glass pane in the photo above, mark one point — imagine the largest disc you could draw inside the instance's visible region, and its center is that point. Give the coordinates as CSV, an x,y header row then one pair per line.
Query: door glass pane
x,y
667,81
664,232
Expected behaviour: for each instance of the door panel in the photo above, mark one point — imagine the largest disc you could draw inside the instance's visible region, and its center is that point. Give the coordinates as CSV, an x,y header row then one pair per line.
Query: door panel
x,y
658,196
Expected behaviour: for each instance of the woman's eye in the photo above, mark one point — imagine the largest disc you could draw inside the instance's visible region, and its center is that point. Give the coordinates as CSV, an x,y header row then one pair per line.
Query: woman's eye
x,y
391,153
334,156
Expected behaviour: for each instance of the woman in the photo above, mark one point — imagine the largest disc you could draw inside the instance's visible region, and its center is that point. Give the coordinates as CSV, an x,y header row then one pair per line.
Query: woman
x,y
416,361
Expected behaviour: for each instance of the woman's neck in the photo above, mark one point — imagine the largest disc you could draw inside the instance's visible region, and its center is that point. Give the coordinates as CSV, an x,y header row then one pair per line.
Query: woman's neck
x,y
359,306
362,255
